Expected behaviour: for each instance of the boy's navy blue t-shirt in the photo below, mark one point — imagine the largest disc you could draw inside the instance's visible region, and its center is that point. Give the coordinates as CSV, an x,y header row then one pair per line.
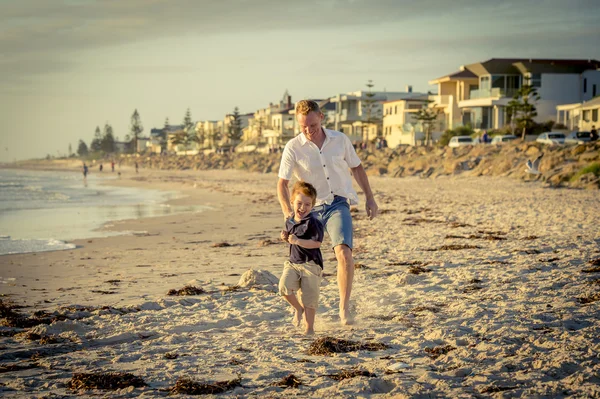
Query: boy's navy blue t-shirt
x,y
309,228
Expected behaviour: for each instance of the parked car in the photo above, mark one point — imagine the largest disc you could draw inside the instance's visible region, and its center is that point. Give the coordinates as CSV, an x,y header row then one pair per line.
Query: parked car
x,y
459,141
503,138
578,138
551,138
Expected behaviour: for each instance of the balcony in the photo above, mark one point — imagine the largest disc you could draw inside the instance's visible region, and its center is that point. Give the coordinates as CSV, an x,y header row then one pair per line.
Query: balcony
x,y
491,93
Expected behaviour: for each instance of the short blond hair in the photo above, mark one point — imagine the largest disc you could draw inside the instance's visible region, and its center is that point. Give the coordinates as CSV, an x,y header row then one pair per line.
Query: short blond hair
x,y
305,106
306,189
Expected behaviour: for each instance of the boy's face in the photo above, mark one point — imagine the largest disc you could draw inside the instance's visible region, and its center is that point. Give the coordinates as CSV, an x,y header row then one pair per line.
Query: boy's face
x,y
302,205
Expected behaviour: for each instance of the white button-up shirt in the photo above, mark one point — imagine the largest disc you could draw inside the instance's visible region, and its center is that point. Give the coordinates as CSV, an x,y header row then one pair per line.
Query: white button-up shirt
x,y
327,169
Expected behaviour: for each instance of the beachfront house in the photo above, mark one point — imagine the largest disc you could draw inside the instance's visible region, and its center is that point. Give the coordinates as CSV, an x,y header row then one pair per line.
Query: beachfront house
x,y
400,126
142,144
261,135
157,141
579,116
478,93
357,106
171,132
244,123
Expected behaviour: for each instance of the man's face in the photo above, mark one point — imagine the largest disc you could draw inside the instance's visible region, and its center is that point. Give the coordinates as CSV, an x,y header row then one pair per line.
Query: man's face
x,y
310,124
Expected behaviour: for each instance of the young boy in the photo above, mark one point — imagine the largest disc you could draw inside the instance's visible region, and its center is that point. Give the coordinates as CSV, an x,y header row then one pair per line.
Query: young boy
x,y
304,268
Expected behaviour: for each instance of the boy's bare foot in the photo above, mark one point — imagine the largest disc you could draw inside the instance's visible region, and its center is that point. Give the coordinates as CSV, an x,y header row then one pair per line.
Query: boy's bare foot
x,y
297,319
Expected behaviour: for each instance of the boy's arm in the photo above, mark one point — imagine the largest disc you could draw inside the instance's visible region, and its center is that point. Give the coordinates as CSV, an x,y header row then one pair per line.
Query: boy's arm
x,y
309,244
315,233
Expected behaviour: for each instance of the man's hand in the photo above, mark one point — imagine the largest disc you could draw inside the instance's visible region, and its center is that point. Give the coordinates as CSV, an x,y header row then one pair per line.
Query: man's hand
x,y
292,239
288,216
284,235
371,208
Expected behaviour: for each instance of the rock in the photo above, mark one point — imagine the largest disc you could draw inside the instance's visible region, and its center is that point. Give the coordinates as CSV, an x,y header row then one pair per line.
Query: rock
x,y
532,151
262,279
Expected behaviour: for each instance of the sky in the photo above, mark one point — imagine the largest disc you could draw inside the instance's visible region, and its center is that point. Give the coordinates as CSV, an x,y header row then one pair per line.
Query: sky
x,y
67,66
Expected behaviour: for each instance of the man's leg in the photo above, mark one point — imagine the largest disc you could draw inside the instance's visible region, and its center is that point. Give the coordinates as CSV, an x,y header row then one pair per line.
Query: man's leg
x,y
345,275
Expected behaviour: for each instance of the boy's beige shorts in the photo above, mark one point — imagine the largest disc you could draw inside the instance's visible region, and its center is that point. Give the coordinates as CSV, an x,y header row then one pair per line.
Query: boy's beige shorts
x,y
304,277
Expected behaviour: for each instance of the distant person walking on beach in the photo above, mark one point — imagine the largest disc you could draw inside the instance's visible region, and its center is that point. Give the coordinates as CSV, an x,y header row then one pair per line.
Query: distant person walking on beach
x,y
85,171
303,270
136,167
112,166
322,157
101,167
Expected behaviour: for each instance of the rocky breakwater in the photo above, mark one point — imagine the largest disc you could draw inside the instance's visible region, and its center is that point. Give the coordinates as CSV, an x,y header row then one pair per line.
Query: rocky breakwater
x,y
561,166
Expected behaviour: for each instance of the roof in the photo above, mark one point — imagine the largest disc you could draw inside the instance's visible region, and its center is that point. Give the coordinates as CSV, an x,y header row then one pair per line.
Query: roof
x,y
593,103
421,98
461,74
532,65
557,66
519,66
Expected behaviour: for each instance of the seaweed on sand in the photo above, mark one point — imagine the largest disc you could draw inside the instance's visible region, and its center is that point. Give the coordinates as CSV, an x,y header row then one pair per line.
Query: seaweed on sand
x,y
187,290
289,381
350,373
438,351
190,387
108,381
327,346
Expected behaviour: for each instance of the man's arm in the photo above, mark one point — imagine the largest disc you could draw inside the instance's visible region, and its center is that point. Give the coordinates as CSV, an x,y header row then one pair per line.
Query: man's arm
x,y
363,181
283,194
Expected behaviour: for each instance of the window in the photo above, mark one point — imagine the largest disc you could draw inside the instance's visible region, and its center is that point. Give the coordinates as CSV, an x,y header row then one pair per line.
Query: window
x,y
594,115
585,85
395,109
498,81
534,79
586,115
484,83
593,90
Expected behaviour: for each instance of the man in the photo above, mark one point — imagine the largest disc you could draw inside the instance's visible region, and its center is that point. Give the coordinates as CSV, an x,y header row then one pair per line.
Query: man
x,y
594,133
322,157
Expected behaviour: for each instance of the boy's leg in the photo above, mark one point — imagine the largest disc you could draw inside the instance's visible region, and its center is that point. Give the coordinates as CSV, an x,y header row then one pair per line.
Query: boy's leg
x,y
289,284
310,288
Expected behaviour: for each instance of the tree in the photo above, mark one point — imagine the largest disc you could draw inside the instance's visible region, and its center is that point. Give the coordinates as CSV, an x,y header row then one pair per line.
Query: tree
x,y
136,128
164,135
96,144
108,140
82,149
370,110
187,120
523,108
427,116
201,134
235,126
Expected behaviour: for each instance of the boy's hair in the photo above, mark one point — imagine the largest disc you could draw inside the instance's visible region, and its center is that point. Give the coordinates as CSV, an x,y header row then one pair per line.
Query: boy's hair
x,y
306,189
305,106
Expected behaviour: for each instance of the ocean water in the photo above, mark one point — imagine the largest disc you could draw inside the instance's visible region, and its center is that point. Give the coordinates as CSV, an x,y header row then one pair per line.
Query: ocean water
x,y
43,211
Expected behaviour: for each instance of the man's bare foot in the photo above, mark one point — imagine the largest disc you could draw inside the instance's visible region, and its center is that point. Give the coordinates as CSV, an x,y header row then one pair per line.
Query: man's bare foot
x,y
297,319
346,318
309,332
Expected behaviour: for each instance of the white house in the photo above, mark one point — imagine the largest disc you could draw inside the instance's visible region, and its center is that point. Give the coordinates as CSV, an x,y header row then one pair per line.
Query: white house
x,y
356,106
399,123
582,116
478,93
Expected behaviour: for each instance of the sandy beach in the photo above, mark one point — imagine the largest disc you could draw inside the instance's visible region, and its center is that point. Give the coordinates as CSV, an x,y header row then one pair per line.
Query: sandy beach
x,y
475,286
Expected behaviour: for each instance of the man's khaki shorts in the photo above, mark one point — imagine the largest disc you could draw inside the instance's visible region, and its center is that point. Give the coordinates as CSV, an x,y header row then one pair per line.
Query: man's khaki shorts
x,y
304,277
